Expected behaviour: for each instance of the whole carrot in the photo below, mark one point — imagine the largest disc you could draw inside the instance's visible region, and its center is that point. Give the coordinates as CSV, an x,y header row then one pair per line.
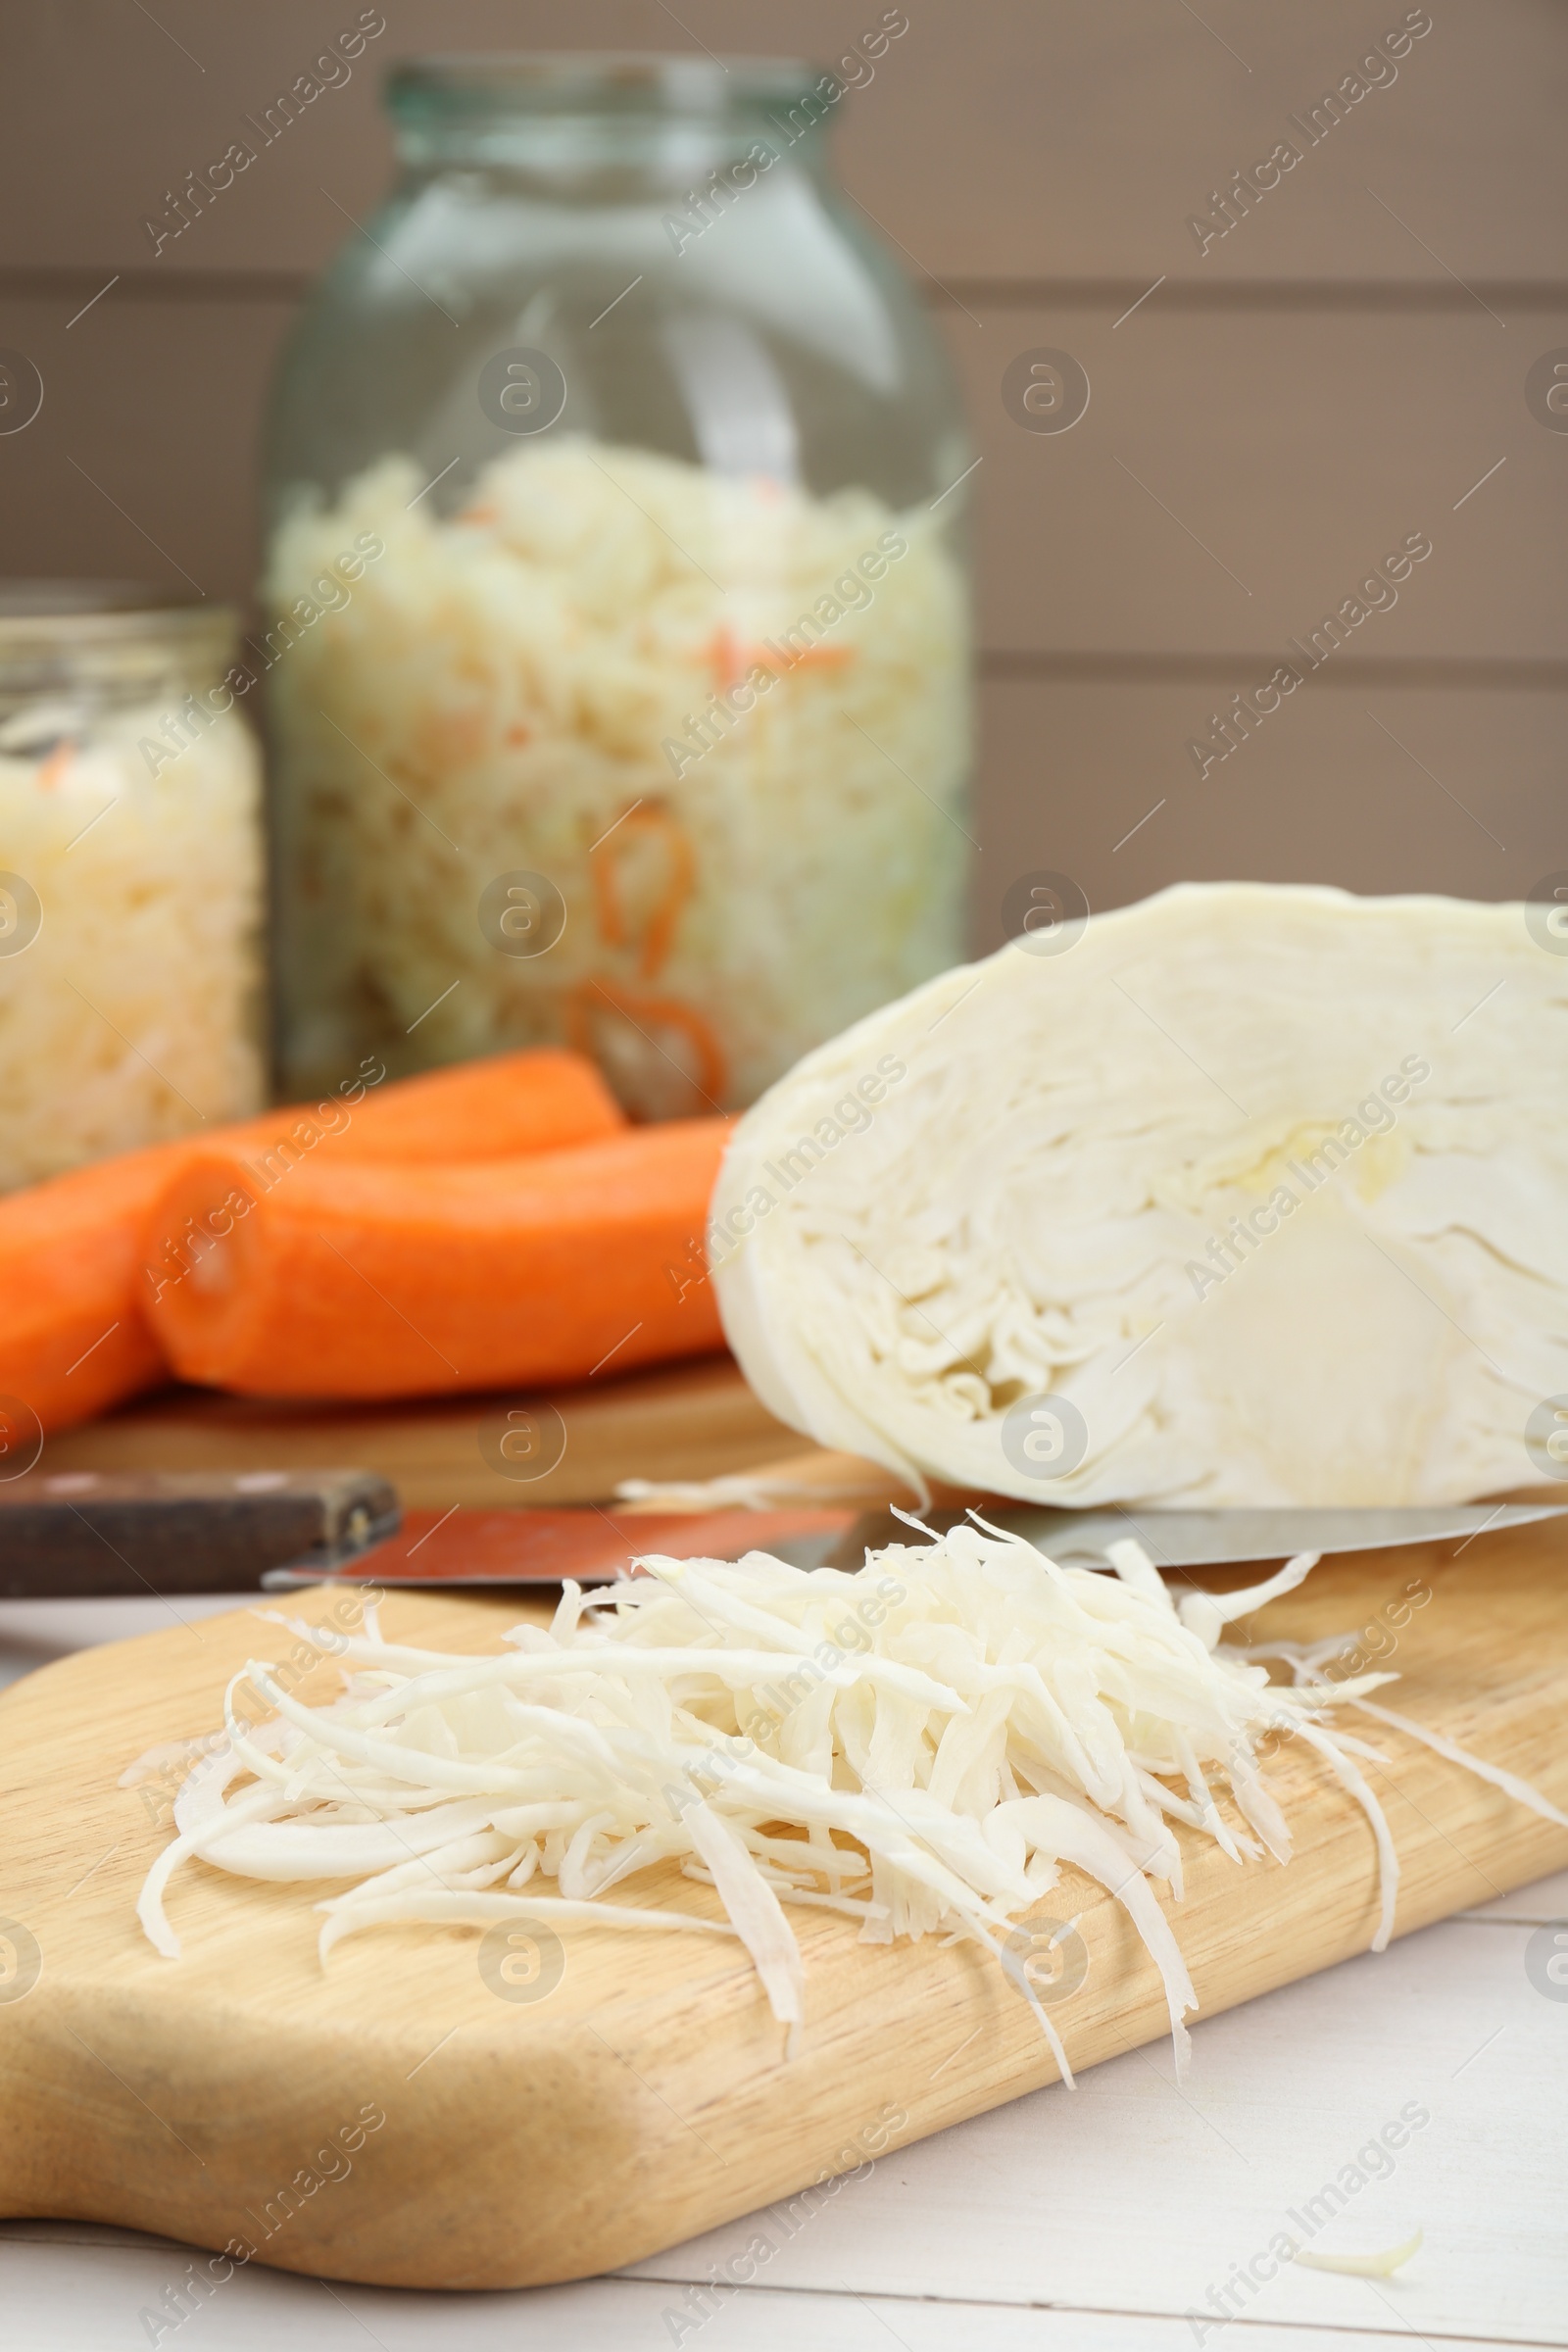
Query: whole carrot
x,y
397,1280
494,1108
73,1278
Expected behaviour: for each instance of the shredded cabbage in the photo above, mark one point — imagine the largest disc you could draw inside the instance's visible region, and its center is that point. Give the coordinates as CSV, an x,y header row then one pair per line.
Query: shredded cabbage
x,y
128,1019
528,685
922,1746
1381,2265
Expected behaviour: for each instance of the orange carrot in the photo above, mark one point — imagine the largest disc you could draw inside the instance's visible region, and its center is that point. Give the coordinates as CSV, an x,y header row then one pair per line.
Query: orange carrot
x,y
398,1281
496,1108
74,1338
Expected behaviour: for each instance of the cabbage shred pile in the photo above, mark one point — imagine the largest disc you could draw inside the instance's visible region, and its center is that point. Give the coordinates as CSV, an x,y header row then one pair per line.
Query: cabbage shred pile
x,y
921,1744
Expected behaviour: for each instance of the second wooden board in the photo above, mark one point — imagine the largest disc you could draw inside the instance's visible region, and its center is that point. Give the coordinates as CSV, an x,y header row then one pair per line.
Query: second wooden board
x,y
685,1421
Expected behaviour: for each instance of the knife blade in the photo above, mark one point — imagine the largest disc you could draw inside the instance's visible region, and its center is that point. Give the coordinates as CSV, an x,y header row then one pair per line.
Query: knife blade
x,y
478,1549
1208,1538
493,1550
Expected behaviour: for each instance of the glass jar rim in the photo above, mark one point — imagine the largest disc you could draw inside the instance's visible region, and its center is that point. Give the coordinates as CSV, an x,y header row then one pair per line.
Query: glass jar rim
x,y
38,612
114,635
479,82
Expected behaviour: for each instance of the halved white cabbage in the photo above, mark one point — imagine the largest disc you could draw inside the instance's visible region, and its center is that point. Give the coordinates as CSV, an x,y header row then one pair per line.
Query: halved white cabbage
x,y
1270,1184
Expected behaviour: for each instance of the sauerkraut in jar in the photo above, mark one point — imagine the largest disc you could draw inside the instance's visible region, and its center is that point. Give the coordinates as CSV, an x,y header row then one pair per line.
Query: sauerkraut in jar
x,y
130,877
645,727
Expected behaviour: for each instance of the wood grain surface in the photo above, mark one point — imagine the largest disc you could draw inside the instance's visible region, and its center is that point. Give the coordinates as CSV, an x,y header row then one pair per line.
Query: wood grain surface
x,y
235,2095
1410,788
689,1421
1028,138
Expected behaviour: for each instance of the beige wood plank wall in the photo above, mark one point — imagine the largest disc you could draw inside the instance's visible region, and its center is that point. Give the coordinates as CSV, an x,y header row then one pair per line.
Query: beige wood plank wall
x,y
1344,367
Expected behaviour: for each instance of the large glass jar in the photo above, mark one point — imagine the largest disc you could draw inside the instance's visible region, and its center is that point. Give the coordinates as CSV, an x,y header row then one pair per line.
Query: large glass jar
x,y
619,619
130,875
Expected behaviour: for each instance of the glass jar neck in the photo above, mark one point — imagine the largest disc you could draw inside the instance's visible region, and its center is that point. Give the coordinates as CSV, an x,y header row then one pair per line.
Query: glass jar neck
x,y
606,127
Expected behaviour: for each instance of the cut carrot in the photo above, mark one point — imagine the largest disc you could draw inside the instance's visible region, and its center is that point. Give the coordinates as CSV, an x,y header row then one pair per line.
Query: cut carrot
x,y
74,1338
660,926
399,1281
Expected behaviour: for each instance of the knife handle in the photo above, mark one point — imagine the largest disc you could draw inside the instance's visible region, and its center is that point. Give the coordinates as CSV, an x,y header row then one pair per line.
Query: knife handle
x,y
93,1533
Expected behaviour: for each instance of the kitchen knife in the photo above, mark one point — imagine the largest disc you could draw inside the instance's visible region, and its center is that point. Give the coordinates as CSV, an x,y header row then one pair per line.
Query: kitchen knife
x,y
1207,1539
87,1533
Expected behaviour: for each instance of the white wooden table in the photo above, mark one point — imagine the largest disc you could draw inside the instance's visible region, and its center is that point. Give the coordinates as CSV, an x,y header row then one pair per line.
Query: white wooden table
x,y
1091,2221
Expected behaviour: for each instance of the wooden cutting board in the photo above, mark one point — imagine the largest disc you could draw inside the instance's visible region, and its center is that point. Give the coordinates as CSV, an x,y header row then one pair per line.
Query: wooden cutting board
x,y
402,2118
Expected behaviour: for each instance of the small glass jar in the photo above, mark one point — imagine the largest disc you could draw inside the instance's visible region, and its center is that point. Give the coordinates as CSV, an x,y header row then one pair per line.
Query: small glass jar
x,y
615,534
130,875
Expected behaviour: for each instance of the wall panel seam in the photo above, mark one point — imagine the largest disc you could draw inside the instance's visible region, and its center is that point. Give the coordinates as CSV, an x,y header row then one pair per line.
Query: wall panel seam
x,y
73,281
